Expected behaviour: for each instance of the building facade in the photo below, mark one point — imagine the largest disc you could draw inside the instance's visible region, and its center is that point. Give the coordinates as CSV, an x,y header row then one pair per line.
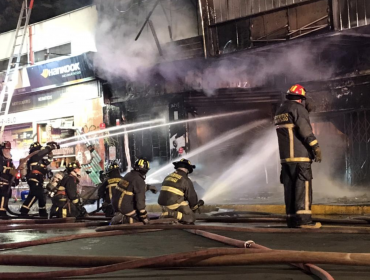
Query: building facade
x,y
57,91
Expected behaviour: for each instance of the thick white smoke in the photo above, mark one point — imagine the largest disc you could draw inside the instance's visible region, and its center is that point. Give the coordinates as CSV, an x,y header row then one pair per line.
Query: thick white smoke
x,y
119,55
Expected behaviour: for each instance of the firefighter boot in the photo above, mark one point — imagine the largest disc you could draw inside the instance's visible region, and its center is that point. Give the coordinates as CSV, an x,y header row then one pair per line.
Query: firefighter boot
x,y
43,213
24,212
3,214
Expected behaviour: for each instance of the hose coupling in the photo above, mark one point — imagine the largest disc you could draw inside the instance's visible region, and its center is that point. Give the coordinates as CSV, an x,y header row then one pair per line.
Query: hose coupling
x,y
249,243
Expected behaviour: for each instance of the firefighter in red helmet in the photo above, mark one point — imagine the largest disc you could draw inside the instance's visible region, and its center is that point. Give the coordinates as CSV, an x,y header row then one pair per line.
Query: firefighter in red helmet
x,y
298,147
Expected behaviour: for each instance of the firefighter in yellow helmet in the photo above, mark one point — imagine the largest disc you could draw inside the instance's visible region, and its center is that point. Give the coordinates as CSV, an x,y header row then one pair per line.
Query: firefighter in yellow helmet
x,y
66,201
178,197
106,188
128,197
298,147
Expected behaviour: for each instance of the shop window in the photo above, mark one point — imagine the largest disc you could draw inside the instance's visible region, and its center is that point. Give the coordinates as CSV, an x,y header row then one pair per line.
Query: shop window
x,y
4,64
54,52
23,62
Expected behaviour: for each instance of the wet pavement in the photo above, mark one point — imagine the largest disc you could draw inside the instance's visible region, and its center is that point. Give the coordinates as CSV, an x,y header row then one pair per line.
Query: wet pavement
x,y
173,241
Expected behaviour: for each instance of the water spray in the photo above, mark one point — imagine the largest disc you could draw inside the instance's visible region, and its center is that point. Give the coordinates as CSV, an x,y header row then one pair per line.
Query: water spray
x,y
112,129
219,140
160,125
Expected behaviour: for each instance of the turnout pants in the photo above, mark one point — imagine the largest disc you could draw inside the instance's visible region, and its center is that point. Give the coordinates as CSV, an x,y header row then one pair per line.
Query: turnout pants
x,y
4,199
36,194
183,214
297,180
63,207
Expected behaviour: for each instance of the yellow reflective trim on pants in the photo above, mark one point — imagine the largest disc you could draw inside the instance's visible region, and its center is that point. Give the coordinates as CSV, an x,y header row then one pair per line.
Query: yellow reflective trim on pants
x,y
179,216
64,213
177,205
130,213
313,143
172,189
296,159
30,204
75,201
307,196
308,212
2,203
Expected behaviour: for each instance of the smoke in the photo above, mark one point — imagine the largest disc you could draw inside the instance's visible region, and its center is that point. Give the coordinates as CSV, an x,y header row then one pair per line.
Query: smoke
x,y
330,182
120,21
120,56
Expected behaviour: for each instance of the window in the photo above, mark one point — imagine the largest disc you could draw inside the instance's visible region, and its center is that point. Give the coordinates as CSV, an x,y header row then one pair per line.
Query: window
x,y
3,65
54,52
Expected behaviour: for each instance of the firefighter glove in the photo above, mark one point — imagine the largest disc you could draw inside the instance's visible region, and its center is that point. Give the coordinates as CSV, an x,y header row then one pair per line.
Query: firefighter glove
x,y
153,189
317,152
13,172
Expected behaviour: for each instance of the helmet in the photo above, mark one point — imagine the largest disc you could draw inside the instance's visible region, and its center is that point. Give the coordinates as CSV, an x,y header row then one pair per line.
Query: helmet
x,y
35,147
297,90
113,166
73,165
6,145
142,165
184,163
3,146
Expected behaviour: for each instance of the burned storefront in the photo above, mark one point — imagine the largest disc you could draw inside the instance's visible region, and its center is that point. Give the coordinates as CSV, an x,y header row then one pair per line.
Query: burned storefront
x,y
244,58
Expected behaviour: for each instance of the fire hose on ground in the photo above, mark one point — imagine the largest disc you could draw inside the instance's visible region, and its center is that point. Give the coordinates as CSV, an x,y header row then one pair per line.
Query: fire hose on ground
x,y
38,221
57,239
250,244
209,257
339,230
267,219
226,258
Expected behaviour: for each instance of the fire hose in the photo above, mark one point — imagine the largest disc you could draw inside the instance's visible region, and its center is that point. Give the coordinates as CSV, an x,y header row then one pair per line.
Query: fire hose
x,y
282,219
242,257
51,226
57,239
206,258
341,230
38,221
251,244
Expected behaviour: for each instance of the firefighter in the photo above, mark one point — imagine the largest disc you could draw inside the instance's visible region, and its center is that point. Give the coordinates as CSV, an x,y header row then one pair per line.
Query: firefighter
x,y
7,172
128,198
37,167
298,147
106,188
66,201
177,196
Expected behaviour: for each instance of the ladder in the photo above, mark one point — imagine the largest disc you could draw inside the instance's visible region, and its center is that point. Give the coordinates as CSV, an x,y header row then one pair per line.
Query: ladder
x,y
11,75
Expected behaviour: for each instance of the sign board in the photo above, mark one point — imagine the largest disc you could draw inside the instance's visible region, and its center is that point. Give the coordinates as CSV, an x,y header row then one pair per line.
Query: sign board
x,y
63,95
62,72
112,153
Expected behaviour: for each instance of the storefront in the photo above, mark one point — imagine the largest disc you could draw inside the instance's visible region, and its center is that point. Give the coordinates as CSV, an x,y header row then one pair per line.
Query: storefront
x,y
55,100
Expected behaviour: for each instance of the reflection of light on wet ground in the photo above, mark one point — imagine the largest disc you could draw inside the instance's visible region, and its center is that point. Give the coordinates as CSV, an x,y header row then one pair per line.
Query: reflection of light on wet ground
x,y
29,235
